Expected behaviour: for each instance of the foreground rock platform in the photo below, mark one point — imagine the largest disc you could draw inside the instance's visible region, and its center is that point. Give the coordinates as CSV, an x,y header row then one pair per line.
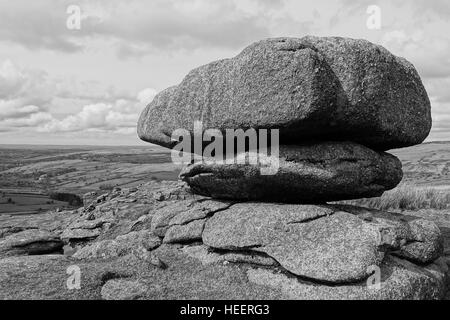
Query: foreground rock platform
x,y
322,243
261,259
311,89
316,173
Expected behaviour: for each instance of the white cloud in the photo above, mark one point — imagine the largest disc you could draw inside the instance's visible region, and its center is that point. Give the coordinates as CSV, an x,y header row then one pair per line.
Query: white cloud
x,y
26,102
100,116
146,95
10,109
429,51
31,120
104,117
148,25
37,24
22,92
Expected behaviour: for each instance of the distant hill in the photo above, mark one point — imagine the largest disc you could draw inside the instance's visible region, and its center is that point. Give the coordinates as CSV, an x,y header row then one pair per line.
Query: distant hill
x,y
427,163
81,169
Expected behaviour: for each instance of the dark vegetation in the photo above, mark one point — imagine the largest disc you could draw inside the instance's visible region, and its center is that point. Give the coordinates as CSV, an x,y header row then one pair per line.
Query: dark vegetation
x,y
72,199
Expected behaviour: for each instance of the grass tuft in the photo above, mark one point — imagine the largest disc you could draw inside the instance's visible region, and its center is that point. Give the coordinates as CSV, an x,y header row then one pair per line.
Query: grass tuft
x,y
407,197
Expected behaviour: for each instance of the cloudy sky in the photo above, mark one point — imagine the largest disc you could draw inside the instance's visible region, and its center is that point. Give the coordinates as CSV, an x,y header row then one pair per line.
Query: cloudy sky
x,y
64,85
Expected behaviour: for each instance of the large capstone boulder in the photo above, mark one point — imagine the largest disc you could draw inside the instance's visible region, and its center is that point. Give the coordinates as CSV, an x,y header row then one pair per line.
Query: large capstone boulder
x,y
310,88
381,102
321,172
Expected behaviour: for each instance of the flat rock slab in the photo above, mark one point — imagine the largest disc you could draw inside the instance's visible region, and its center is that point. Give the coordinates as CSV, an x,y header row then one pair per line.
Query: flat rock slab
x,y
120,246
416,239
316,173
182,212
310,88
399,280
80,234
51,221
88,224
322,243
30,242
189,232
310,241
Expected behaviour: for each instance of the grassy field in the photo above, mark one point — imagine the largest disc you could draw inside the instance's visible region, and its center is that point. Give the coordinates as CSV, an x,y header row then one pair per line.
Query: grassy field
x,y
29,173
26,203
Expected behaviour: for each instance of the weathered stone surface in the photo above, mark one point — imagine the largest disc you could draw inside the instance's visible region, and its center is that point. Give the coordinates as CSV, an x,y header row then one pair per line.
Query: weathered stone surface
x,y
400,280
185,233
150,257
136,238
309,241
162,217
51,221
206,256
267,85
30,242
323,243
427,244
418,240
88,224
216,273
307,174
142,223
199,210
119,289
310,88
80,234
182,212
34,277
104,249
122,245
382,102
45,277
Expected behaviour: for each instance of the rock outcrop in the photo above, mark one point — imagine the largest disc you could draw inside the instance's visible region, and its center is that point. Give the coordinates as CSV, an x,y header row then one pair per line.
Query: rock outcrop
x,y
337,104
244,251
316,242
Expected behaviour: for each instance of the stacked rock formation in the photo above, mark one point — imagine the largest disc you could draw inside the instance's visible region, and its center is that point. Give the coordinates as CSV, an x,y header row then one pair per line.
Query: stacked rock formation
x,y
338,105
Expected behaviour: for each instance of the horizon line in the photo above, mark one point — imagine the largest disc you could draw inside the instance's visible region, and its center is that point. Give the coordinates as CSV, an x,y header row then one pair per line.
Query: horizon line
x,y
148,144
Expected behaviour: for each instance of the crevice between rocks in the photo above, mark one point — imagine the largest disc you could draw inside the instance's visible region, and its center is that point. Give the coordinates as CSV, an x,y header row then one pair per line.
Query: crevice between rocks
x,y
206,217
310,219
56,248
111,275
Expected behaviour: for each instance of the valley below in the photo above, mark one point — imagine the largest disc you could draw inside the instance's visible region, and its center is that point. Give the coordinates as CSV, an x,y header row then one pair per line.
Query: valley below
x,y
29,175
